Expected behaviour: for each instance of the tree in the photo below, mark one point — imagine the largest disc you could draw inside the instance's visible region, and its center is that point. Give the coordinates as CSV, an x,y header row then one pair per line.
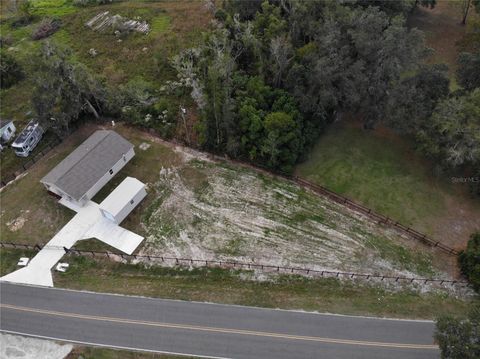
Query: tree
x,y
459,338
412,101
468,73
10,70
245,8
465,9
63,89
453,132
469,261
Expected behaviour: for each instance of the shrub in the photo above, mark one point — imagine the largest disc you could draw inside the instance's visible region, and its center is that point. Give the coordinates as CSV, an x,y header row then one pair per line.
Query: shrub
x,y
92,2
469,261
10,71
47,27
25,15
458,338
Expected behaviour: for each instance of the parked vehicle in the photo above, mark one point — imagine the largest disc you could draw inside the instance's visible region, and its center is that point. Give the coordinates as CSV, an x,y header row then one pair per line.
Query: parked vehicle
x,y
7,132
28,139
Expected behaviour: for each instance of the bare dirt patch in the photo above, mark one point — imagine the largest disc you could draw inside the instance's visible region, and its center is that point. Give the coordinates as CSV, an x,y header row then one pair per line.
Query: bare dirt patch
x,y
208,210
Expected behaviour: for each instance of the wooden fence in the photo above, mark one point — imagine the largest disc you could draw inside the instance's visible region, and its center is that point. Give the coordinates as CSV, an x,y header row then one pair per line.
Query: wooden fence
x,y
192,262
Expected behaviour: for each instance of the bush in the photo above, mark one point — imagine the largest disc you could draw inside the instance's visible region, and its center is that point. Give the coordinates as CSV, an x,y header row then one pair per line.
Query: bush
x,y
458,338
469,261
84,3
25,15
10,71
46,28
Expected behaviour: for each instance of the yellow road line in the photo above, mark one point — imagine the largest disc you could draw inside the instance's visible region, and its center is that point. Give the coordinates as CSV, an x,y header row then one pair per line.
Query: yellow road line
x,y
219,330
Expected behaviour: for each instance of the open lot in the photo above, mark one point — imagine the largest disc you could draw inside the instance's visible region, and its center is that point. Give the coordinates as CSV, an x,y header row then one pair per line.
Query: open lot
x,y
215,210
382,171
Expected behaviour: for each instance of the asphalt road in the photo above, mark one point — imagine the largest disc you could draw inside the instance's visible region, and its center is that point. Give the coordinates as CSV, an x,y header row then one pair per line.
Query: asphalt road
x,y
210,330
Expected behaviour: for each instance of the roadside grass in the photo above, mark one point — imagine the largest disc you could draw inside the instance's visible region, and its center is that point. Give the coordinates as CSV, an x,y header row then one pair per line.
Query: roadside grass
x,y
240,287
380,170
106,353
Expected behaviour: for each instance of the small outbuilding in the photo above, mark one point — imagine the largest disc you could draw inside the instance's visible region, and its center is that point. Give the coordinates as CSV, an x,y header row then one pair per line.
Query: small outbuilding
x,y
89,167
123,200
7,131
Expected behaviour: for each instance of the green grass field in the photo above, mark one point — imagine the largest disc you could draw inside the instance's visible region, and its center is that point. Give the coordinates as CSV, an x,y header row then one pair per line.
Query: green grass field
x,y
381,170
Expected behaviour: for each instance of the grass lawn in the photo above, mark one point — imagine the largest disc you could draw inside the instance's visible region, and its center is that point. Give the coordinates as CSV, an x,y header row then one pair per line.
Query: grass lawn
x,y
239,287
381,171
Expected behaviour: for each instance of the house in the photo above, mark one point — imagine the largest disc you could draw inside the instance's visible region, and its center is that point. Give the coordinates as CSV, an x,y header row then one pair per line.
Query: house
x,y
88,168
7,131
28,139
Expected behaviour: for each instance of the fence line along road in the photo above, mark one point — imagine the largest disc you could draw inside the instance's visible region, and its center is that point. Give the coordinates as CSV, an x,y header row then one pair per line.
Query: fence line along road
x,y
192,262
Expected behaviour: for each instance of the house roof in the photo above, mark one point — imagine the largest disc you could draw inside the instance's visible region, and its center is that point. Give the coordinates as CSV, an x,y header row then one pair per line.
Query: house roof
x,y
4,123
89,162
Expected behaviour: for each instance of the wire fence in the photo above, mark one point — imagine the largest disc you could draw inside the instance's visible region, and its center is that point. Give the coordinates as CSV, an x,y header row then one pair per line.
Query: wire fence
x,y
229,264
5,179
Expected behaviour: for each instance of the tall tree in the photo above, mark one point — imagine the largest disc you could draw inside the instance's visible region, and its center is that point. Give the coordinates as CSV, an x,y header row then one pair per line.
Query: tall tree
x,y
412,101
465,10
468,73
63,89
453,132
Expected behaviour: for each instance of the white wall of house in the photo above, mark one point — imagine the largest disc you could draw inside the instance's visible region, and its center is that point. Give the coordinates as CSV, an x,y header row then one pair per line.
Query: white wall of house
x,y
123,199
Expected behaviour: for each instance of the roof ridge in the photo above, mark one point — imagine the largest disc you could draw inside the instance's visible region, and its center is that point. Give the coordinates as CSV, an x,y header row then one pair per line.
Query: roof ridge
x,y
108,133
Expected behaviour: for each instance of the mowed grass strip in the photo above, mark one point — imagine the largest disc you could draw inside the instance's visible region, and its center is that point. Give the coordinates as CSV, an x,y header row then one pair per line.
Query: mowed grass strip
x,y
240,287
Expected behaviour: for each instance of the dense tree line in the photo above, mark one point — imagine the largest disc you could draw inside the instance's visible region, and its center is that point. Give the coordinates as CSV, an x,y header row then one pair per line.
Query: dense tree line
x,y
320,57
328,58
271,75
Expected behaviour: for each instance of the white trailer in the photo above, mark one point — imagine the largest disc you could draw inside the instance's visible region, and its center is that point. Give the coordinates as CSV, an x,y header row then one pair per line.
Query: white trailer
x,y
7,131
28,139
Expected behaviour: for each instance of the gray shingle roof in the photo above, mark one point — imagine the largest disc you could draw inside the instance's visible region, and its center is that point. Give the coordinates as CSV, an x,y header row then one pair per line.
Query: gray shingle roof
x,y
82,168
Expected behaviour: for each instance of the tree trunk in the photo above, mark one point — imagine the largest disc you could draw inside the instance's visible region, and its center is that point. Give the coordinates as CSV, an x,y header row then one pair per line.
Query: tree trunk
x,y
92,109
466,8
